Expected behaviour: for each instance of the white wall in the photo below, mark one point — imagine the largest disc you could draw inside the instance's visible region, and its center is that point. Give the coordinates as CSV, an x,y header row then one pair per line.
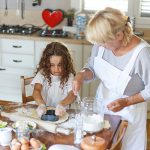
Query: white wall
x,y
32,14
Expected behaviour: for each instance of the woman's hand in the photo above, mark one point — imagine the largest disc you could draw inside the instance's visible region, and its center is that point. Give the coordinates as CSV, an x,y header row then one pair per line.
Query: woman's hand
x,y
77,82
118,104
41,110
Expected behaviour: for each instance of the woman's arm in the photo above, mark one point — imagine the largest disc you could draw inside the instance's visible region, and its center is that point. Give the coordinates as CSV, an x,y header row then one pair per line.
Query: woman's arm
x,y
121,103
84,74
37,93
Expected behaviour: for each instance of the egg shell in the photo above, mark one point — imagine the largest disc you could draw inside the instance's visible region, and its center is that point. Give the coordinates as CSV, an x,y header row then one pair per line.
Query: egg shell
x,y
25,147
16,146
14,141
35,143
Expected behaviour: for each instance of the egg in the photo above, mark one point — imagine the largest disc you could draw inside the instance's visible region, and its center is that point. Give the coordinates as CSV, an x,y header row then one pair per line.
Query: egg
x,y
25,147
14,141
35,143
16,146
32,139
24,140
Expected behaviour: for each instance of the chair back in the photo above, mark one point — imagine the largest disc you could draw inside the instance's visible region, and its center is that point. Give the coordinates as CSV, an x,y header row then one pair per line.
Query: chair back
x,y
24,83
122,130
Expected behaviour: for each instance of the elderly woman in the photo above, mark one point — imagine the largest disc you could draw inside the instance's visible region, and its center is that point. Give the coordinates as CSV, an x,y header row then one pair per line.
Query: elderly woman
x,y
122,61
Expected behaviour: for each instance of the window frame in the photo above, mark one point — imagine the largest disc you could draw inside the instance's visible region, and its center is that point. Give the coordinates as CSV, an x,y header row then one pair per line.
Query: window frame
x,y
133,11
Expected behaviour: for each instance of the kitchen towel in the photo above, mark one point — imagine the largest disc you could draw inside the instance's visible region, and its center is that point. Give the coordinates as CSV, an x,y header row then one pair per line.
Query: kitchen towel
x,y
48,126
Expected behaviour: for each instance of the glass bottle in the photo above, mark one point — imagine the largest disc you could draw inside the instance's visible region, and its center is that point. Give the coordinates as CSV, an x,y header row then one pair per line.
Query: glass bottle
x,y
78,129
81,21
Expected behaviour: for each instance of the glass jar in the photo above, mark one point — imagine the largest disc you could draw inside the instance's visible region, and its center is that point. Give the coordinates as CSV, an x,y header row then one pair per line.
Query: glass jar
x,y
81,21
93,114
23,132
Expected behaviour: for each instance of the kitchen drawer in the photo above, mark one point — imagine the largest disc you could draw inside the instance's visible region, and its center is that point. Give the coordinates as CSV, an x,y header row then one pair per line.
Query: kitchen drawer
x,y
14,60
15,71
17,46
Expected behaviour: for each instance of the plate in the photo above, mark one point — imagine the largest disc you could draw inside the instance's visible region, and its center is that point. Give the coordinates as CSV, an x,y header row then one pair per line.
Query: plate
x,y
30,124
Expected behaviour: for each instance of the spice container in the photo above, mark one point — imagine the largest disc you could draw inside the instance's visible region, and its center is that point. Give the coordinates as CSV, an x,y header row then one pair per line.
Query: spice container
x,y
93,143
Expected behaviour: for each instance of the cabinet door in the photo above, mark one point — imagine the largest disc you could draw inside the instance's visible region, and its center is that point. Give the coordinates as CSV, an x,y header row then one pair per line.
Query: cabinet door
x,y
39,48
76,53
88,89
16,59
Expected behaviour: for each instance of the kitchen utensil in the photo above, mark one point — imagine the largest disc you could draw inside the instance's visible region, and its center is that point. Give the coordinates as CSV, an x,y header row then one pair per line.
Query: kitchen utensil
x,y
22,8
17,8
52,18
50,116
6,8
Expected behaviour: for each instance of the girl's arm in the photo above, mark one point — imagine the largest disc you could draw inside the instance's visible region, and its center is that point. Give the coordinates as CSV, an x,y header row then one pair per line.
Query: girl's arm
x,y
68,100
37,94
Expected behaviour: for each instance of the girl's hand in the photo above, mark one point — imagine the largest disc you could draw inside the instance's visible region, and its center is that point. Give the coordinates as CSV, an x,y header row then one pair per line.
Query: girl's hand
x,y
41,110
60,110
77,82
117,105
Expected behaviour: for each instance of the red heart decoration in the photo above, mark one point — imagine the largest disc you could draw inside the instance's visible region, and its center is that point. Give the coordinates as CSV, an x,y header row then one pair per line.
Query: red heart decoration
x,y
52,18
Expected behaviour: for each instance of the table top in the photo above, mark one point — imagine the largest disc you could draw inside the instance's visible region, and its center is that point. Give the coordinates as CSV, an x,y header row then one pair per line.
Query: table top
x,y
51,138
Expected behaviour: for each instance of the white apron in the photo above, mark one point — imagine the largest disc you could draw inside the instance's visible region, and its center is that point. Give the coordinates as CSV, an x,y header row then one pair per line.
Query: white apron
x,y
112,87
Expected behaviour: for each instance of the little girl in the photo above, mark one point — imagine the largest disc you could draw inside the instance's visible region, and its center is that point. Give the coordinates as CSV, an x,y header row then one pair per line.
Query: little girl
x,y
53,81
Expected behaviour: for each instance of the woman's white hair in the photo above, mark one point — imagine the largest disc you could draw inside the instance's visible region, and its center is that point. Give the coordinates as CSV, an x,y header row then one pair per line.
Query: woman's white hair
x,y
104,25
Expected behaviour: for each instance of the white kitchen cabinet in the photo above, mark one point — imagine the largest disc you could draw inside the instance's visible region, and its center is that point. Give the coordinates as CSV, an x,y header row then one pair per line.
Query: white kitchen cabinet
x,y
16,59
88,89
39,48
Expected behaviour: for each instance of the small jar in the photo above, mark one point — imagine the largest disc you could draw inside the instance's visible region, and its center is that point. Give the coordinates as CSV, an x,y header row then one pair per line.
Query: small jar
x,y
23,133
93,143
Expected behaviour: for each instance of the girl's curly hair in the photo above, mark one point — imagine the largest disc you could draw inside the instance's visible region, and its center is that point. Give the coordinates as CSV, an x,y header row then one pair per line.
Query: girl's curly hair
x,y
56,49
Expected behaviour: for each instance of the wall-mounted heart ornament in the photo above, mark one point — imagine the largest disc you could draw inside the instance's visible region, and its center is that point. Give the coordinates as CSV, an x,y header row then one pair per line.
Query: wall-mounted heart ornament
x,y
52,17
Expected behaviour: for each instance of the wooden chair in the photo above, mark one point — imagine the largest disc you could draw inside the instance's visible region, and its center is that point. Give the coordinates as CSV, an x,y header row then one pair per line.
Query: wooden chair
x,y
122,130
24,83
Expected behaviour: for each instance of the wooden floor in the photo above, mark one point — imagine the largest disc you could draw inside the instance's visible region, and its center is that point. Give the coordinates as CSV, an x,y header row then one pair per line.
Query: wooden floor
x,y
148,134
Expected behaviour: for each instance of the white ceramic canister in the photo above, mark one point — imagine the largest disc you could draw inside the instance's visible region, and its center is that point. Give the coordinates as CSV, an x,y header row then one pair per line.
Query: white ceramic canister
x,y
5,136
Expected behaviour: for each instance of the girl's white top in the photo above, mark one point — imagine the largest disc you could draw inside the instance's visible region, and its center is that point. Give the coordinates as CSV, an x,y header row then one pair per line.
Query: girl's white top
x,y
54,93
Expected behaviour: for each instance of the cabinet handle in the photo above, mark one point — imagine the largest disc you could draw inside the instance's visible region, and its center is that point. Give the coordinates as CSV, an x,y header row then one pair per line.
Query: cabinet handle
x,y
15,46
17,61
1,69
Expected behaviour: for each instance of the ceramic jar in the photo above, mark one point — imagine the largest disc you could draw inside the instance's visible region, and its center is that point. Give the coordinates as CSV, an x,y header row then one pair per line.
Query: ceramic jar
x,y
5,136
93,143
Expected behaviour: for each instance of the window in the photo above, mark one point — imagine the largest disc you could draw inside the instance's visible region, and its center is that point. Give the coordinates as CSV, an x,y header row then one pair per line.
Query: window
x,y
145,8
140,9
100,4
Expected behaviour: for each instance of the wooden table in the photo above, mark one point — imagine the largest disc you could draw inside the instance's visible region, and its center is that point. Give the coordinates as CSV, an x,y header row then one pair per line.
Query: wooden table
x,y
50,138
